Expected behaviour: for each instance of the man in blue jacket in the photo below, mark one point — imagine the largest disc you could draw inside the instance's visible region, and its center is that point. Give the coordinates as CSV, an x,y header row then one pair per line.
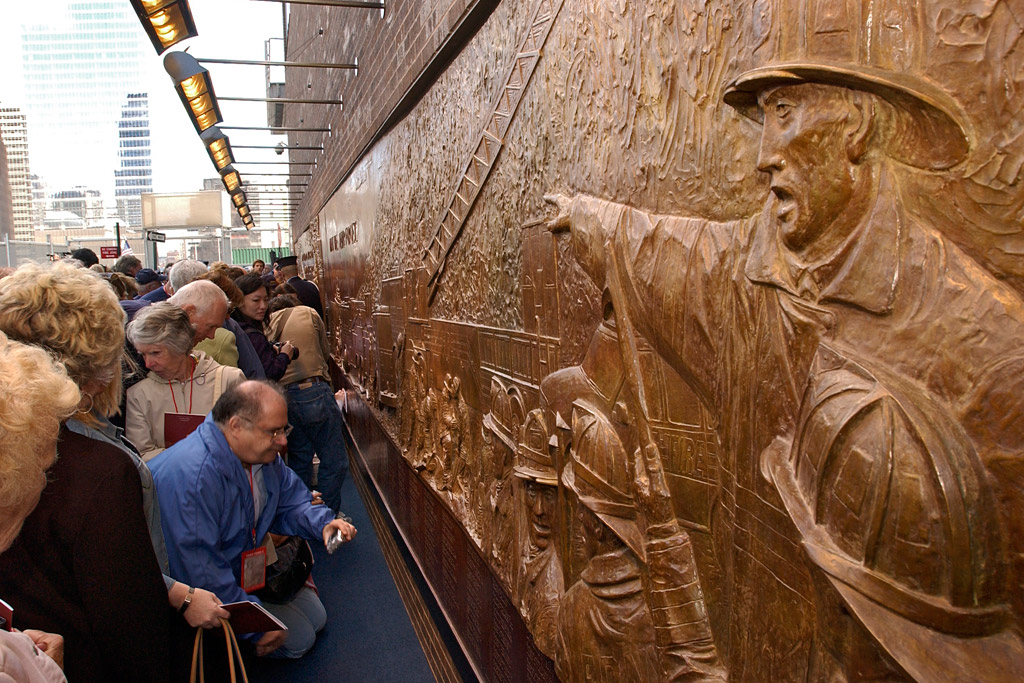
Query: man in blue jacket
x,y
223,489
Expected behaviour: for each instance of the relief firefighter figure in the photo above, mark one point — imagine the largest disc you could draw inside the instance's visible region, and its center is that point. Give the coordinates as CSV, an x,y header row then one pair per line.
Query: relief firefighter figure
x,y
539,583
498,536
412,395
857,361
637,611
422,442
453,427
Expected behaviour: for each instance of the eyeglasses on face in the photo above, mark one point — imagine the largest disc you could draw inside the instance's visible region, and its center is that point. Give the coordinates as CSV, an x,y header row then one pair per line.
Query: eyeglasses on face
x,y
272,433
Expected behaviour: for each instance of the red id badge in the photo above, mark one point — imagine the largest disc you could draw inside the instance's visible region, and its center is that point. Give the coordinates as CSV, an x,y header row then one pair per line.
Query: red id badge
x,y
254,569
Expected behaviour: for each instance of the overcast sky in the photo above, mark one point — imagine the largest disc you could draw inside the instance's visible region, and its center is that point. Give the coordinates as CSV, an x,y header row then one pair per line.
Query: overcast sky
x,y
233,29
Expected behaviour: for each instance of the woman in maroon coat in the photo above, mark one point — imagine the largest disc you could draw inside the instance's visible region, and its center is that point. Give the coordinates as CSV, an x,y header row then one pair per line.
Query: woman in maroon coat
x,y
84,565
36,396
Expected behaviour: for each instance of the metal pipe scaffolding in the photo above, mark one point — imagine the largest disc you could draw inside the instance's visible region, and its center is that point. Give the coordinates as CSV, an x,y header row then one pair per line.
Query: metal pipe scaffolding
x,y
277,100
264,62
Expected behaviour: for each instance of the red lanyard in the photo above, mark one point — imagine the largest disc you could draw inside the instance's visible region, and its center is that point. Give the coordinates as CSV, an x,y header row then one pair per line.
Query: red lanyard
x,y
191,389
253,492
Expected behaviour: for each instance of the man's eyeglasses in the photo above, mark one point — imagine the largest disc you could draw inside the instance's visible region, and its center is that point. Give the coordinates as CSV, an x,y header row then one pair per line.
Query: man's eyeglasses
x,y
272,433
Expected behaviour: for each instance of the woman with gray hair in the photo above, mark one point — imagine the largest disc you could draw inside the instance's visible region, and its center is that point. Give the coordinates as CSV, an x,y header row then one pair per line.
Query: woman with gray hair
x,y
182,385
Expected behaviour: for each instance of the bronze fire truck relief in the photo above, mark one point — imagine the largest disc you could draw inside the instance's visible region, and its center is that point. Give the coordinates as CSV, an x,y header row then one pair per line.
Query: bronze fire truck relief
x,y
717,362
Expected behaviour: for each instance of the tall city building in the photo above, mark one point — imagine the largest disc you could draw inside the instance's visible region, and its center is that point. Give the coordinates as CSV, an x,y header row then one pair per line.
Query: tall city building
x,y
14,131
40,200
79,66
6,204
135,175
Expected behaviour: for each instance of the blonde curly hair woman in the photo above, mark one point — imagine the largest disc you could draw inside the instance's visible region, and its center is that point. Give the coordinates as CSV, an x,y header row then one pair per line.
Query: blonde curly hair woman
x,y
36,396
73,313
84,564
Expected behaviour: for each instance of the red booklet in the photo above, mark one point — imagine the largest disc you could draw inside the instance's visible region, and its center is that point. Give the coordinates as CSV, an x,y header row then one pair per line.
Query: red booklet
x,y
179,425
6,616
248,617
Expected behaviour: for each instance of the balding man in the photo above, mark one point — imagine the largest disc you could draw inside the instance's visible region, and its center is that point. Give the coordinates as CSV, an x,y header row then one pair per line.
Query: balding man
x,y
206,305
223,489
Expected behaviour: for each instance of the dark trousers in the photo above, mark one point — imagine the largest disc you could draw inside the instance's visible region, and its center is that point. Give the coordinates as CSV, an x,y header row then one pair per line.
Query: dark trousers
x,y
317,428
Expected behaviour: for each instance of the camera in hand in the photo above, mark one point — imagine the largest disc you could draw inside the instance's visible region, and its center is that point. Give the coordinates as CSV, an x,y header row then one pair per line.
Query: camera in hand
x,y
295,349
335,542
337,539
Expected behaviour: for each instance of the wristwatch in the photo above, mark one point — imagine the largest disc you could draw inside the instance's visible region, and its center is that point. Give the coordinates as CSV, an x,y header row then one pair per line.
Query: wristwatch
x,y
188,600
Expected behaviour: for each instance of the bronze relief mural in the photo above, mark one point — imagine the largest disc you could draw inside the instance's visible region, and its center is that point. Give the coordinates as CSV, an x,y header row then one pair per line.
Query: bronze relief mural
x,y
700,318
311,255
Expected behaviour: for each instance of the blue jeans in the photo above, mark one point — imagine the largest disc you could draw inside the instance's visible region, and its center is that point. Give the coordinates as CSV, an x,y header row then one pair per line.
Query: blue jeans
x,y
313,413
304,615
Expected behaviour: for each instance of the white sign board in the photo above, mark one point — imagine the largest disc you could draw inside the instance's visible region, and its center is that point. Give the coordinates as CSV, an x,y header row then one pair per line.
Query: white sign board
x,y
205,209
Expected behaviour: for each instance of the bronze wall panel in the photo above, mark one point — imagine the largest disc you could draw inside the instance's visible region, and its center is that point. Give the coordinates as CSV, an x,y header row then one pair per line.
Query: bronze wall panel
x,y
711,306
477,607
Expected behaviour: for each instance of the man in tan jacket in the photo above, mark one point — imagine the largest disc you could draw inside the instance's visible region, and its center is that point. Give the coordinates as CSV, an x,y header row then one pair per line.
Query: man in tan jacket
x,y
312,409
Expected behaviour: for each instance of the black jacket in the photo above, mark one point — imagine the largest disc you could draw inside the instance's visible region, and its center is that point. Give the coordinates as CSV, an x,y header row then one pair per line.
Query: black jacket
x,y
83,566
309,295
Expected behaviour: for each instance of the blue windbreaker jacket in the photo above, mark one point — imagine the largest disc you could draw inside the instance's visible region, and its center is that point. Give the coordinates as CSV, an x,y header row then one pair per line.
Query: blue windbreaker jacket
x,y
206,509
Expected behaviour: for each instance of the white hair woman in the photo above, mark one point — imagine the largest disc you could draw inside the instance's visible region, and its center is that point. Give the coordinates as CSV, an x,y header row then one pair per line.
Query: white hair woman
x,y
86,563
36,397
181,386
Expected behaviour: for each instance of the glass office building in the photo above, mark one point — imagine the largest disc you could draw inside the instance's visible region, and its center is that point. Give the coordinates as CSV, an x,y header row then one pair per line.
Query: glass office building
x,y
14,131
79,66
135,175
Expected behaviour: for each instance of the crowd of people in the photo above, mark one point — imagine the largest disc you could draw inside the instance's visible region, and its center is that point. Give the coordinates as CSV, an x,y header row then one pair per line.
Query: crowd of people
x,y
143,420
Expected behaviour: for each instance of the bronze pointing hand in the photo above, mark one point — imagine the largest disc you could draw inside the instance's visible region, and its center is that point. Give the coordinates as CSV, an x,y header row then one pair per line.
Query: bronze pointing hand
x,y
560,223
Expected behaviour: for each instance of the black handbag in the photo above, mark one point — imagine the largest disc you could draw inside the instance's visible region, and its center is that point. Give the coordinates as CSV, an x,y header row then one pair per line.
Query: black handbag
x,y
286,576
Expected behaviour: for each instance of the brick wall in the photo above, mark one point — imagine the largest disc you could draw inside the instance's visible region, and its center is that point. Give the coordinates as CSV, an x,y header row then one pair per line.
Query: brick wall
x,y
399,55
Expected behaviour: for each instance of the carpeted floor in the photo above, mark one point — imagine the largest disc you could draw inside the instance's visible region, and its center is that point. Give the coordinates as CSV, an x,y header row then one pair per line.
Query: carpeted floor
x,y
368,636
